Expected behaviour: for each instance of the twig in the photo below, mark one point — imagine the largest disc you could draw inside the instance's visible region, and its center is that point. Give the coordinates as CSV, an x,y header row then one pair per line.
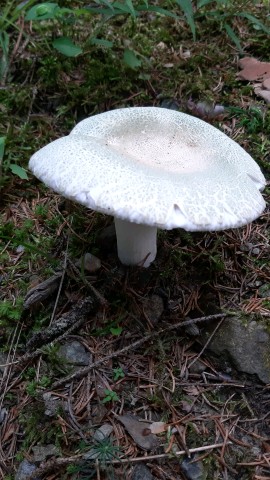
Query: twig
x,y
92,289
67,323
207,342
75,459
67,320
7,372
82,372
61,283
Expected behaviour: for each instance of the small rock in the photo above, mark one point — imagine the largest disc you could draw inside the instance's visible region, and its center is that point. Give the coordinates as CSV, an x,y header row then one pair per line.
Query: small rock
x,y
246,247
51,405
249,247
153,307
75,353
3,414
42,452
89,262
141,472
255,284
98,412
91,454
264,291
103,432
100,434
193,470
25,470
245,343
197,367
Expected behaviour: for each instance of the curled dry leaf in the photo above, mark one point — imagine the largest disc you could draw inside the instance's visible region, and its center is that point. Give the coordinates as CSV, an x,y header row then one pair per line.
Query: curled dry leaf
x,y
263,93
253,69
42,291
256,71
140,432
266,446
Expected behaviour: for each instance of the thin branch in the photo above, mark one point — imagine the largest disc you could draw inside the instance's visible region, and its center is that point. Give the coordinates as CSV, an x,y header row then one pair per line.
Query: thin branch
x,y
207,343
75,459
61,284
82,372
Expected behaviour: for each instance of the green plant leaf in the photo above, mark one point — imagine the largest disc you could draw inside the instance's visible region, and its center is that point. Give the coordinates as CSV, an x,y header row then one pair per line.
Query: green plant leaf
x,y
2,148
131,7
203,3
66,46
4,60
43,11
106,3
187,8
153,8
131,59
118,373
116,331
111,396
19,171
232,35
254,21
101,42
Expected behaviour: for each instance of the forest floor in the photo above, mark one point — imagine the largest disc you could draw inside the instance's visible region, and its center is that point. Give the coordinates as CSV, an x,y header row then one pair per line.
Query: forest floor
x,y
103,373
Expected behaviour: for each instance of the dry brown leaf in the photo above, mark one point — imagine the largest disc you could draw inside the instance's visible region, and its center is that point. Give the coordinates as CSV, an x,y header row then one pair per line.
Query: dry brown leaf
x,y
253,69
265,94
266,446
140,432
158,427
266,84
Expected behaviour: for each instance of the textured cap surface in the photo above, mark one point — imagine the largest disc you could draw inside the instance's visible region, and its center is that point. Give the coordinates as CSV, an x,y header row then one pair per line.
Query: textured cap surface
x,y
154,166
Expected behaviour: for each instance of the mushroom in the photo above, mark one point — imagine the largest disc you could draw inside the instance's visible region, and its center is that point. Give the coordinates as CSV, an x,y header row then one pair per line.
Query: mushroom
x,y
153,168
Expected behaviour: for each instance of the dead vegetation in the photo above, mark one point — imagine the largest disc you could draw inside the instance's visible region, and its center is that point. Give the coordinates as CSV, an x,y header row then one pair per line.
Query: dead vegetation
x,y
147,391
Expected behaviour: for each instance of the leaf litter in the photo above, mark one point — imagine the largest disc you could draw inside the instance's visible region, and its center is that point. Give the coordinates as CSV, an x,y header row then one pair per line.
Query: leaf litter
x,y
212,411
152,387
254,70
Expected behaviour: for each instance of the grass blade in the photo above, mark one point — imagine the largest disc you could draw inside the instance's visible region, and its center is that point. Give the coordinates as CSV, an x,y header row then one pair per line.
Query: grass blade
x,y
187,8
254,21
232,35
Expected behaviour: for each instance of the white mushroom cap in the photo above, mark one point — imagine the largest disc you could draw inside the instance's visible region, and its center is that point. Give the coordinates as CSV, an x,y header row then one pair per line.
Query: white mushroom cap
x,y
156,167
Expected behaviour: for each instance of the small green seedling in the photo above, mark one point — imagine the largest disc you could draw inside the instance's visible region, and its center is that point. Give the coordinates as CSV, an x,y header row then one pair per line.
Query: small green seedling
x,y
110,396
118,373
116,331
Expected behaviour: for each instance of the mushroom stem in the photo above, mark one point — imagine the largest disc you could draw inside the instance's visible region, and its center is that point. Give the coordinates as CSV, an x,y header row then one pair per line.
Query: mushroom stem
x,y
136,243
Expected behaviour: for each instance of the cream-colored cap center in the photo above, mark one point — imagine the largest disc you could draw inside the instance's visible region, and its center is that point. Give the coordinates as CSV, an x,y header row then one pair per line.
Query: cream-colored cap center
x,y
158,151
